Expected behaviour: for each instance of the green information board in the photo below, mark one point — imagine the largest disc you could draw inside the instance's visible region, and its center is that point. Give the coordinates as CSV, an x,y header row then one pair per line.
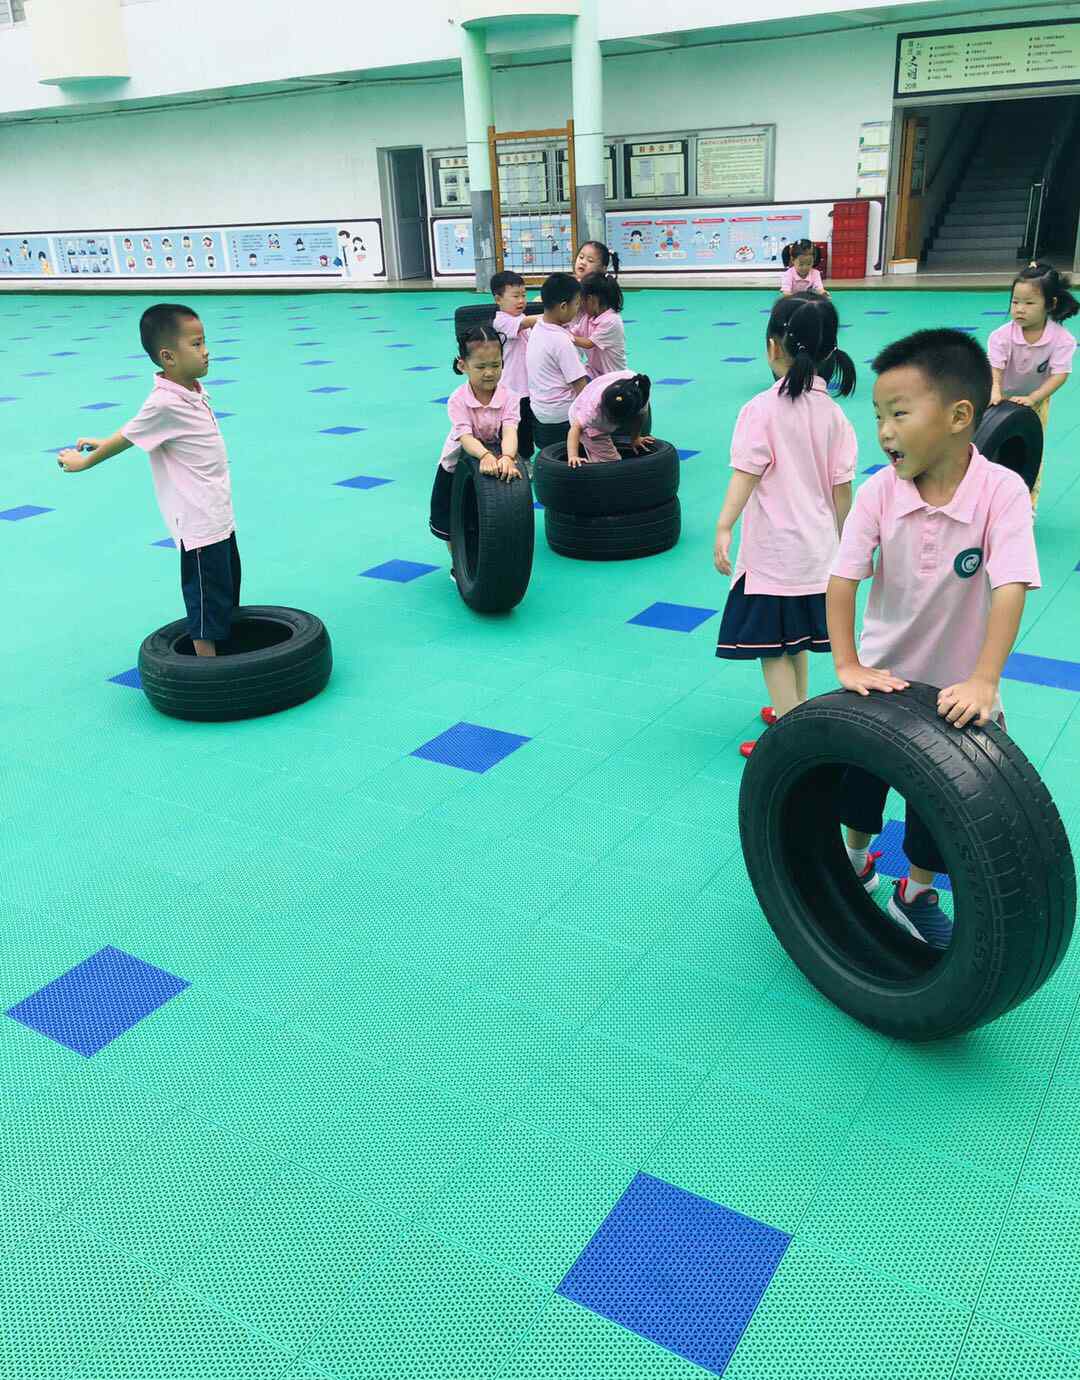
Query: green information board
x,y
1007,55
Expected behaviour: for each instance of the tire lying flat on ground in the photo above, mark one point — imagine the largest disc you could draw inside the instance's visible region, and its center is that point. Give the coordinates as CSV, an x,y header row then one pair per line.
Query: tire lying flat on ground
x,y
629,485
1011,434
1008,856
275,658
493,533
613,536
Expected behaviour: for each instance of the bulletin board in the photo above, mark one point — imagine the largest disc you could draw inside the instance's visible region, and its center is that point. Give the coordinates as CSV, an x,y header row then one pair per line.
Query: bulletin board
x,y
450,180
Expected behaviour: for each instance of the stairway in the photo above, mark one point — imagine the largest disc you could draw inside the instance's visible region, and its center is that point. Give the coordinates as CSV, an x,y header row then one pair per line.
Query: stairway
x,y
983,224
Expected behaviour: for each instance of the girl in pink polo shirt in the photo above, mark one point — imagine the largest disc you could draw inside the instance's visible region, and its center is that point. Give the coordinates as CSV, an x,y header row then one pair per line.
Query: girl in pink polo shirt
x,y
602,300
483,423
594,259
802,276
1032,356
615,402
793,456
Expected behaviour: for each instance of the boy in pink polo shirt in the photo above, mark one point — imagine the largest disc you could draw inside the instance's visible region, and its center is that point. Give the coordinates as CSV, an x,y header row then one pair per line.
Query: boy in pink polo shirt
x,y
190,469
514,325
955,559
556,373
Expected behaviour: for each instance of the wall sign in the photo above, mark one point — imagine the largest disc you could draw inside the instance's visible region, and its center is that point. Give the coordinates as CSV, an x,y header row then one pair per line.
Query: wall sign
x,y
523,178
733,166
562,170
750,237
300,249
541,242
656,169
450,181
872,170
1006,55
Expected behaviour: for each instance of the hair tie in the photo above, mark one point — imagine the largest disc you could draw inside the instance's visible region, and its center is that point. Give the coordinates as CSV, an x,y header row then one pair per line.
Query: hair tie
x,y
1033,264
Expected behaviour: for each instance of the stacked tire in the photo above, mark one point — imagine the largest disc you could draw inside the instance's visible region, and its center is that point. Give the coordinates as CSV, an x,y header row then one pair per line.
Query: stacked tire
x,y
611,510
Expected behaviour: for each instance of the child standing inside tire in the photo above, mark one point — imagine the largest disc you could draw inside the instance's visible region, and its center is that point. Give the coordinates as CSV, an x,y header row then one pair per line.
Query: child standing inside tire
x,y
483,414
513,325
556,373
612,403
793,456
1032,356
177,428
955,551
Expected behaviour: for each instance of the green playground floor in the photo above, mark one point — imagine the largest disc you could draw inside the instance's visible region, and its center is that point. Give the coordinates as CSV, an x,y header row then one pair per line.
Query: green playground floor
x,y
439,1020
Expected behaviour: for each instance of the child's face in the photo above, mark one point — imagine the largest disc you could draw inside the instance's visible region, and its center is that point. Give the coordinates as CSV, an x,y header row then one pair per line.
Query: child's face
x,y
483,366
512,300
566,311
916,426
1028,306
187,359
588,261
803,264
592,304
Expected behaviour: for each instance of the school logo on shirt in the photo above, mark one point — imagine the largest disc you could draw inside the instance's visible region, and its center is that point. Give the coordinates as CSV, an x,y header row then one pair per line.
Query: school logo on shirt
x,y
968,562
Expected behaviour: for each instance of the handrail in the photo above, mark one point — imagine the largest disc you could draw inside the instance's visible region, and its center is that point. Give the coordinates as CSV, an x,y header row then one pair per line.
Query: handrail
x,y
1030,246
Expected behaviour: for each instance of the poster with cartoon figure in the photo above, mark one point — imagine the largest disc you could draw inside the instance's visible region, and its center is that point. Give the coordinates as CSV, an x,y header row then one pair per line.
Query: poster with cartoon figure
x,y
168,253
727,237
27,256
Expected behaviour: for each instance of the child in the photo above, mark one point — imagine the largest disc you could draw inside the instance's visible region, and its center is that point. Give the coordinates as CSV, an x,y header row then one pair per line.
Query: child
x,y
613,402
483,413
602,300
190,468
556,373
802,276
1032,356
593,260
508,289
955,559
793,453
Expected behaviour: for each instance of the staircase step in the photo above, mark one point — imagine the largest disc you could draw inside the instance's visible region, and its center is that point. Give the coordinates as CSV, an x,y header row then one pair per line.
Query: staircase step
x,y
993,258
996,205
960,216
980,232
995,242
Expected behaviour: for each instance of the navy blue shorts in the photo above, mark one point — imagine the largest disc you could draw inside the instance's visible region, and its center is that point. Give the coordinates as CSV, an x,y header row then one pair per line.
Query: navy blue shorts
x,y
210,579
761,625
439,520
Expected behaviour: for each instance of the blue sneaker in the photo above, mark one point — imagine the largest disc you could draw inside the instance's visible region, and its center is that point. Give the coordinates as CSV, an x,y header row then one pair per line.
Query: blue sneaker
x,y
869,875
922,917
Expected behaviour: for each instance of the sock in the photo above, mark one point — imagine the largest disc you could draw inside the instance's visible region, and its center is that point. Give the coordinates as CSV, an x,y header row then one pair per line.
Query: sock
x,y
913,889
858,858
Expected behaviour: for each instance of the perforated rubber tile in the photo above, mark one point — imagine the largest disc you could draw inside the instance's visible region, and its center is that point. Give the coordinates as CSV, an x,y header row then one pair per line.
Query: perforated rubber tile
x,y
428,1310
863,1325
527,1201
1023,1290
1052,1162
678,1269
992,1353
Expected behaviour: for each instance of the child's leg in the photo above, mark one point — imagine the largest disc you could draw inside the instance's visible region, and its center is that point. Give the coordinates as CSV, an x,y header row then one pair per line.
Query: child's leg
x,y
862,805
801,662
781,682
210,580
1042,411
204,648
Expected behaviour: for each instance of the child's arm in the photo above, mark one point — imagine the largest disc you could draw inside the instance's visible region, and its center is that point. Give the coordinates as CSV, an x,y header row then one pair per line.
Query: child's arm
x,y
508,459
974,698
583,342
996,395
841,497
1036,396
850,672
72,461
528,322
740,486
573,440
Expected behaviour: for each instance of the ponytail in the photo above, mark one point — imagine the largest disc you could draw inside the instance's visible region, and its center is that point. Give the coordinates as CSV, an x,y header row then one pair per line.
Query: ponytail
x,y
805,325
1054,286
605,289
626,399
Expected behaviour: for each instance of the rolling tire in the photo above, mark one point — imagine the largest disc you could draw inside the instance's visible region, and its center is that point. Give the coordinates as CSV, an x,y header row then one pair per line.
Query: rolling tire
x,y
275,658
1008,858
493,533
1011,434
632,484
613,537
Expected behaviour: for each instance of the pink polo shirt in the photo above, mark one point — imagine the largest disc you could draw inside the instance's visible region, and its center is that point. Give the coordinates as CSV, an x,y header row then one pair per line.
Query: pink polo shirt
x,y
553,366
596,428
801,449
514,375
470,417
608,335
1027,367
791,282
929,601
177,428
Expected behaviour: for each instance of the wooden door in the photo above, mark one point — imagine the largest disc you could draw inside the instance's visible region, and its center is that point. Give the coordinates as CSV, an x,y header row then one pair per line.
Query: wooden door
x,y
911,187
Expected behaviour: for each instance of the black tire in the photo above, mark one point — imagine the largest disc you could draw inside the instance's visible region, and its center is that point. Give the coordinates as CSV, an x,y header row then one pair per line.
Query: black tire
x,y
1011,434
483,314
630,485
1008,858
274,659
493,532
613,537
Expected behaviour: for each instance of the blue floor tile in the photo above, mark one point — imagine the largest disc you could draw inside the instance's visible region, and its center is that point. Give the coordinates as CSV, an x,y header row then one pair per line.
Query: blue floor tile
x,y
680,1270
329,388
876,313
222,415
401,572
670,311
739,359
675,382
218,383
131,677
40,374
674,617
165,541
340,430
361,481
725,323
873,469
99,406
400,346
673,337
97,1000
24,510
314,363
687,454
894,861
443,401
1037,670
7,399
420,368
120,378
470,747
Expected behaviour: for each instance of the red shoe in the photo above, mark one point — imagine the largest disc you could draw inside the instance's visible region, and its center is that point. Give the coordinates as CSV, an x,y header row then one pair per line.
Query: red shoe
x,y
745,749
768,715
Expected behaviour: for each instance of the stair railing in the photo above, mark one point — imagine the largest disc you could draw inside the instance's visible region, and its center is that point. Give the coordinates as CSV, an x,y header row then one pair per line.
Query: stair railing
x,y
1037,194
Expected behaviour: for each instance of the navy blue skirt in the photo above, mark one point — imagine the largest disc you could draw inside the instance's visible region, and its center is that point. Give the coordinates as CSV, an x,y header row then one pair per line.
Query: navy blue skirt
x,y
758,625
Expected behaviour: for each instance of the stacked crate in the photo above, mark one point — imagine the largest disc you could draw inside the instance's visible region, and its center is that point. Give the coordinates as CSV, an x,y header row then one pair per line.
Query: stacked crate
x,y
851,225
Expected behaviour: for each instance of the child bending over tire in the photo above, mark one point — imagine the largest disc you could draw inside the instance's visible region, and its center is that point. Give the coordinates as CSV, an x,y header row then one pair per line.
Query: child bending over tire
x,y
609,404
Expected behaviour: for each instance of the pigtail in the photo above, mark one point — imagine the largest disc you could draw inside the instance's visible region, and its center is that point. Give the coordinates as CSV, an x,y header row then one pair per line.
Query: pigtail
x,y
605,289
644,387
615,274
841,378
806,326
802,342
626,399
1066,304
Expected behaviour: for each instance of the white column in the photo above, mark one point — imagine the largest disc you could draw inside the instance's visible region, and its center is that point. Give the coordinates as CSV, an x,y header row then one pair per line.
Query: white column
x,y
476,89
587,81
